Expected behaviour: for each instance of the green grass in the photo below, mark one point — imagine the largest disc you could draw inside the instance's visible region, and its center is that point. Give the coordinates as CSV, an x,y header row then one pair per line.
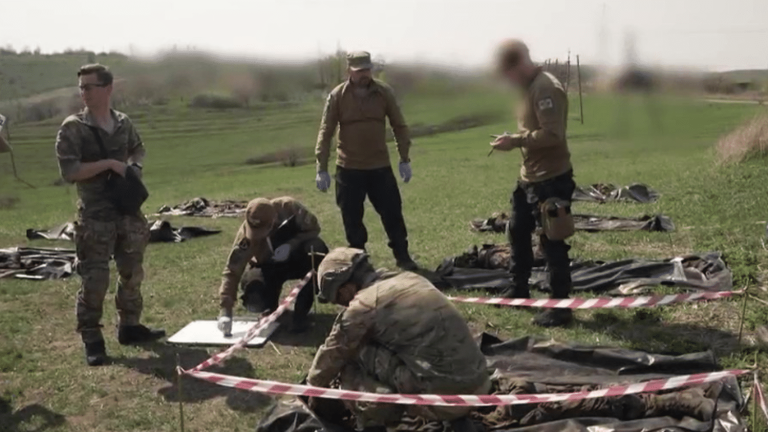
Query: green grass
x,y
197,153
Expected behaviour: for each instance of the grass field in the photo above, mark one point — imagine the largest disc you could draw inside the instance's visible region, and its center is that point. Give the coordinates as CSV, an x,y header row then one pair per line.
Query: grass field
x,y
197,153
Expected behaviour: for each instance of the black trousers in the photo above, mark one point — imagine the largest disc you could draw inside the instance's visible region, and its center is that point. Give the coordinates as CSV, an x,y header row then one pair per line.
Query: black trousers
x,y
267,292
380,186
525,218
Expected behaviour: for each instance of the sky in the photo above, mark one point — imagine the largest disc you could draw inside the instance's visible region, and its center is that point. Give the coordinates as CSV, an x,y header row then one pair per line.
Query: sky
x,y
702,34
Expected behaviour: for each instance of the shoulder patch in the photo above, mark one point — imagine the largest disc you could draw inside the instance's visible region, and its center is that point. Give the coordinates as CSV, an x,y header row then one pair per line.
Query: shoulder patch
x,y
244,244
545,103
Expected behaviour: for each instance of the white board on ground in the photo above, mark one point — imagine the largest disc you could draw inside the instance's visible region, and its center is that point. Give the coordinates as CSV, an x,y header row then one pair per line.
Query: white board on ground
x,y
207,333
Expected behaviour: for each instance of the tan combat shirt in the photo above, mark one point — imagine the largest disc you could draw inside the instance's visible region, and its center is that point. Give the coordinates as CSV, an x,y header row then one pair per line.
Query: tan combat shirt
x,y
410,317
245,250
542,124
362,127
75,144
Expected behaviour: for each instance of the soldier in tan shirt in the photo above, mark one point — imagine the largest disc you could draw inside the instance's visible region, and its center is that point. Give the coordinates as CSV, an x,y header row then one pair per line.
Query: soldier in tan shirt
x,y
546,173
359,108
273,245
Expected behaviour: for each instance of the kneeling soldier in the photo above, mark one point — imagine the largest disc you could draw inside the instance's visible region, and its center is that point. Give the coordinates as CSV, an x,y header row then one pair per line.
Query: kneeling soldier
x,y
277,239
399,334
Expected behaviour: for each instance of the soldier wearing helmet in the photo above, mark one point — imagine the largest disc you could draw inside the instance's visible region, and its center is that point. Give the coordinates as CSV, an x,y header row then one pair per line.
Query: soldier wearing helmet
x,y
276,240
398,334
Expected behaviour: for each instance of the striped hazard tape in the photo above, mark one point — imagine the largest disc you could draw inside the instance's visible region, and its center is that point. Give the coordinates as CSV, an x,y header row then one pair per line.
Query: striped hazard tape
x,y
277,388
599,302
760,397
256,328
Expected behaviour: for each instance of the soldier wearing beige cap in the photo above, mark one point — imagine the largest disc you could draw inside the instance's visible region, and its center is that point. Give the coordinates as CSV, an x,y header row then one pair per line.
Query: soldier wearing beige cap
x,y
277,239
359,107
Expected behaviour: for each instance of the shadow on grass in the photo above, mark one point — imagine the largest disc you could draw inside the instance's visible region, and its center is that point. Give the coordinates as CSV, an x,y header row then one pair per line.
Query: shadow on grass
x,y
163,366
646,329
313,337
31,418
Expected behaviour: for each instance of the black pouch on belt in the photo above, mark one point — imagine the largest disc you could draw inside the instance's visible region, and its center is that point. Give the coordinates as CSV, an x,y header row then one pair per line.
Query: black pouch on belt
x,y
126,193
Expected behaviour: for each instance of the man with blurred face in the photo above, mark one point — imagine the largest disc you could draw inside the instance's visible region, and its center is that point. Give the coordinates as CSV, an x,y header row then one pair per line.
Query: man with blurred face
x,y
360,107
546,177
102,231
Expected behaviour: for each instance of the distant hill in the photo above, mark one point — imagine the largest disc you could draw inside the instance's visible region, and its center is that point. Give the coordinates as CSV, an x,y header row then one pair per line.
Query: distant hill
x,y
753,75
24,75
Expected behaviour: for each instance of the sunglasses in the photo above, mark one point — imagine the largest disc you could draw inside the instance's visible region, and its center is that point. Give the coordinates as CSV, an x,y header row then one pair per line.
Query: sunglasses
x,y
89,87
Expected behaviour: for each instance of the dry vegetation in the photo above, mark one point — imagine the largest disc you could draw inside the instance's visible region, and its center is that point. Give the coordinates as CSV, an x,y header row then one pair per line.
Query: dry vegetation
x,y
749,140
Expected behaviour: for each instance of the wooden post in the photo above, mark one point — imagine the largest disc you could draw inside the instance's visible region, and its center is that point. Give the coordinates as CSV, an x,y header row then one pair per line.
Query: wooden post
x,y
743,314
581,104
180,394
568,72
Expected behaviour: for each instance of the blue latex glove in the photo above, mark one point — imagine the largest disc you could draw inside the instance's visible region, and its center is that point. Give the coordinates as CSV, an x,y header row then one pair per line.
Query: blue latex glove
x,y
323,181
405,171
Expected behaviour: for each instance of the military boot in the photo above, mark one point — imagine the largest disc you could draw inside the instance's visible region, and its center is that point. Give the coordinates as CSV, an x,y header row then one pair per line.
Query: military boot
x,y
690,403
404,261
553,317
95,353
137,334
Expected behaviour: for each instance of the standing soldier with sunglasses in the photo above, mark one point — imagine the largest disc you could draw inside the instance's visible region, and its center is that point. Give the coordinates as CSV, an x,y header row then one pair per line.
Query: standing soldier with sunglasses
x,y
102,231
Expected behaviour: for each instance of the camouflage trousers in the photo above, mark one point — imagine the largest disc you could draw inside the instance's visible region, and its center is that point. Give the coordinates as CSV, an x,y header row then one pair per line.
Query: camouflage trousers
x,y
96,242
627,407
379,370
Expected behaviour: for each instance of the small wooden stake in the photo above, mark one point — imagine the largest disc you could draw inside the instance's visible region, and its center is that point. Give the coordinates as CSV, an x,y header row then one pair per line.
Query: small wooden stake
x,y
180,394
581,104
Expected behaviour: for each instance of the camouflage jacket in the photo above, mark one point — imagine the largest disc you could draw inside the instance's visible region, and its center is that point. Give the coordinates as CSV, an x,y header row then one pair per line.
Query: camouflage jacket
x,y
410,317
542,123
76,144
362,140
245,250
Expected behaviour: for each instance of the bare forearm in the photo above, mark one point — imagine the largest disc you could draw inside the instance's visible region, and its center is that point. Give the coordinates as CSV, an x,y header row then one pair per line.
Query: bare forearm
x,y
88,170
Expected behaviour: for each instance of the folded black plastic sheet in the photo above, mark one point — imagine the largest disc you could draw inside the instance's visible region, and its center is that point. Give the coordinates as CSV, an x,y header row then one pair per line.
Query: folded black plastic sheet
x,y
590,223
486,268
159,232
36,263
601,193
203,207
553,367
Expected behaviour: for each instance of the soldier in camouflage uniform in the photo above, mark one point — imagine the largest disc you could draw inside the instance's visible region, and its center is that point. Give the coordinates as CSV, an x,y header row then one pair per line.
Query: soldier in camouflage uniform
x,y
271,265
398,334
546,174
359,108
101,231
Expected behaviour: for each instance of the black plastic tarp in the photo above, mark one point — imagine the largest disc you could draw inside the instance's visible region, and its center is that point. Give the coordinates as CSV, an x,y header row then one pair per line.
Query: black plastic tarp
x,y
203,207
159,232
36,263
486,268
590,223
551,367
601,193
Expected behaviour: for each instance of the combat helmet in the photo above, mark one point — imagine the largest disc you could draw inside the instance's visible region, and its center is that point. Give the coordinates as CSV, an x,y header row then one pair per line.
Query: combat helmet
x,y
337,268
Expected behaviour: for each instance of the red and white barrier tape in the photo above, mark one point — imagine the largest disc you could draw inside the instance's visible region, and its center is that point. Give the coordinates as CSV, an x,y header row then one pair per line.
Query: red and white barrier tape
x,y
599,302
255,329
760,397
276,388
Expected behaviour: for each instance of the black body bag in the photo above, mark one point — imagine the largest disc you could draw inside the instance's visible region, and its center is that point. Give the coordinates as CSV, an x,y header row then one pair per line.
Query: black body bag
x,y
127,193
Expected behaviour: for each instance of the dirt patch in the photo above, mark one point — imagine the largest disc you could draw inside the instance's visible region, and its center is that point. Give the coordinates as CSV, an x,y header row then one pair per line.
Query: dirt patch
x,y
290,157
7,202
